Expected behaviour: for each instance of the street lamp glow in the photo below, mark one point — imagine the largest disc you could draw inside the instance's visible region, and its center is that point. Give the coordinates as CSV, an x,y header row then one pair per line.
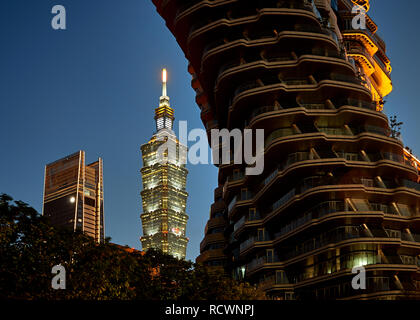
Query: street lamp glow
x,y
72,200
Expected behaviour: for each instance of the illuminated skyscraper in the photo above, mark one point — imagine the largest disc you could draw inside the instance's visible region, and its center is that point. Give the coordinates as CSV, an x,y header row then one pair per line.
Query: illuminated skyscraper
x,y
73,195
164,177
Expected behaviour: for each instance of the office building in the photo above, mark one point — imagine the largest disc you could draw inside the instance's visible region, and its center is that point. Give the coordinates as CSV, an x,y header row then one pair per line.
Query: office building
x,y
73,195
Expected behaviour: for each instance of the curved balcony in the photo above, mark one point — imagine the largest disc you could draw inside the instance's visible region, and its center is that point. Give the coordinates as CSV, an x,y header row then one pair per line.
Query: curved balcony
x,y
377,287
258,89
215,222
339,211
318,184
212,238
276,64
230,42
344,131
262,114
229,19
214,254
340,237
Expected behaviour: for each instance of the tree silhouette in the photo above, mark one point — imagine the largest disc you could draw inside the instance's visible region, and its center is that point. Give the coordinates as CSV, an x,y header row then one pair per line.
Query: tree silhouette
x,y
30,247
395,127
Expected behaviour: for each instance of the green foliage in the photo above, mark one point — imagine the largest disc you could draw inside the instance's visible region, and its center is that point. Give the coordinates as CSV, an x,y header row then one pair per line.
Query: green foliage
x,y
395,127
30,247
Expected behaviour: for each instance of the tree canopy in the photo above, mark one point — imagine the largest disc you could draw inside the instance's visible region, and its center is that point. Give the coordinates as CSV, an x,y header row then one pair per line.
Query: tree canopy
x,y
30,247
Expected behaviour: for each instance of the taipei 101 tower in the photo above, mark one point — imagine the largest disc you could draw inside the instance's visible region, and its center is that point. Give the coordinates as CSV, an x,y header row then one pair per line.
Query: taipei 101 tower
x,y
164,196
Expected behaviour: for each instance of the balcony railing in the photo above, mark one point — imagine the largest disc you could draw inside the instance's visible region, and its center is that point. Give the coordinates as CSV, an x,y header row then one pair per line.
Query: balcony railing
x,y
267,81
333,236
334,131
349,156
253,240
285,132
309,106
255,263
236,177
243,196
317,212
374,37
245,219
316,181
382,65
354,47
285,198
279,133
232,204
270,34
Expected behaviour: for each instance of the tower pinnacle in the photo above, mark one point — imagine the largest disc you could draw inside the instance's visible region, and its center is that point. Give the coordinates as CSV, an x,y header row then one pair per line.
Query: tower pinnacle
x,y
164,114
164,79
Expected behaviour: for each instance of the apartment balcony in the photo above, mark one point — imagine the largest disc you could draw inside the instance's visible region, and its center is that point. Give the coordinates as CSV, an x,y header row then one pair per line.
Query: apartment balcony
x,y
232,203
335,267
285,61
319,211
236,176
238,199
266,86
215,222
231,17
212,238
253,241
376,286
359,53
211,255
329,131
264,38
311,183
312,107
343,211
384,68
246,220
371,41
259,262
218,206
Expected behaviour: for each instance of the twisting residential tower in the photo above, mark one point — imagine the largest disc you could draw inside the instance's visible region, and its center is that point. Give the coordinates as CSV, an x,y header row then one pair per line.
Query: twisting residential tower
x,y
338,191
164,177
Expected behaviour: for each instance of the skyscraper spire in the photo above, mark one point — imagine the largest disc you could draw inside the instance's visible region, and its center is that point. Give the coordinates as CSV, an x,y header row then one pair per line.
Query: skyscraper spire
x,y
164,79
164,114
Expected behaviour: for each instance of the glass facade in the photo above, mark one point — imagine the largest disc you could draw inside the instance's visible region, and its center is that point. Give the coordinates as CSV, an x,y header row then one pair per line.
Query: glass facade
x,y
73,195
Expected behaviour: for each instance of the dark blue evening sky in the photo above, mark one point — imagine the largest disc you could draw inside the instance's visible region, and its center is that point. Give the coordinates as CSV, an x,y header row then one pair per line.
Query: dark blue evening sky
x,y
95,85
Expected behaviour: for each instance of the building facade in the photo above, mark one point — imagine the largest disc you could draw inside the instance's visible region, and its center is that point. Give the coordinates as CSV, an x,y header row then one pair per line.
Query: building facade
x,y
164,176
73,195
338,189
